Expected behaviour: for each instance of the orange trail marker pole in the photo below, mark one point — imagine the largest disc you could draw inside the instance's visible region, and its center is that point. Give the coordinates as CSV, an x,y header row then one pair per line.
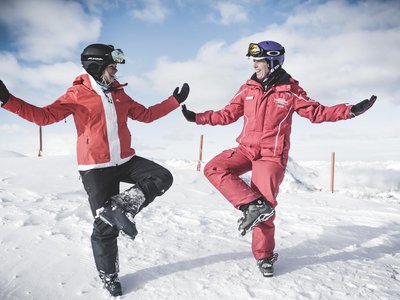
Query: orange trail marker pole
x,y
332,172
200,154
40,141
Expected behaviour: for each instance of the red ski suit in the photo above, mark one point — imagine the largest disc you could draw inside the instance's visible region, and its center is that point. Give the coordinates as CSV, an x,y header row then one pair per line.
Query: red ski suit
x,y
263,145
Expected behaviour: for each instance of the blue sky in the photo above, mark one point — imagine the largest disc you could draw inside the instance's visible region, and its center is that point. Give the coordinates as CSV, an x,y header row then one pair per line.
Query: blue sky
x,y
340,51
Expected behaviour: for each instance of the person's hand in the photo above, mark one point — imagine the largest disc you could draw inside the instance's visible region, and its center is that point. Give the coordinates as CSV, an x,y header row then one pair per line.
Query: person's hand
x,y
188,114
183,94
4,93
363,106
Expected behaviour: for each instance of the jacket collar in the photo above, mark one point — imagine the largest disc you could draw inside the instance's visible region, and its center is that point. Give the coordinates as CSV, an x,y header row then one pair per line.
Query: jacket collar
x,y
276,78
84,78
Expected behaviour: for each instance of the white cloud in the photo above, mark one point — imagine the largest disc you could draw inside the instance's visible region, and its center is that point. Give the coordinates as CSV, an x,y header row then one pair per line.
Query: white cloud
x,y
42,82
152,12
48,30
334,60
345,50
13,129
229,13
214,75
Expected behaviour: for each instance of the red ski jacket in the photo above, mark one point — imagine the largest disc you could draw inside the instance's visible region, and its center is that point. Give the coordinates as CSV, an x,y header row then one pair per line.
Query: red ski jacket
x,y
100,118
268,117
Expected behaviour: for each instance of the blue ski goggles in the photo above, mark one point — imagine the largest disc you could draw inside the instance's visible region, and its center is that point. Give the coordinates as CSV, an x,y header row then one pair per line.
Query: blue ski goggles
x,y
118,56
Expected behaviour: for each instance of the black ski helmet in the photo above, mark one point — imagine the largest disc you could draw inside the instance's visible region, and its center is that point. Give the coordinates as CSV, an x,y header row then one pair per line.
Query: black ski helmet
x,y
96,57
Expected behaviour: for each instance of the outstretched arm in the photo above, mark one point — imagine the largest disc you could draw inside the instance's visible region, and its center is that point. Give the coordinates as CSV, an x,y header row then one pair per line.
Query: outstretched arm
x,y
229,114
318,113
140,113
57,111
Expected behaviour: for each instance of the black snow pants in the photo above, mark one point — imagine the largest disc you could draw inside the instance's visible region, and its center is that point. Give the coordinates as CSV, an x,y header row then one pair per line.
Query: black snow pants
x,y
101,184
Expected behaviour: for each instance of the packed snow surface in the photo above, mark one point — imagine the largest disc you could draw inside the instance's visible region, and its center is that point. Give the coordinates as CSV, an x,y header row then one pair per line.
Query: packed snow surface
x,y
341,245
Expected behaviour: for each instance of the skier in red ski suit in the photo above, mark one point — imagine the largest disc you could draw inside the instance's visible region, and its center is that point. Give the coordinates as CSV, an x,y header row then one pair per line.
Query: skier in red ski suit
x,y
101,109
267,102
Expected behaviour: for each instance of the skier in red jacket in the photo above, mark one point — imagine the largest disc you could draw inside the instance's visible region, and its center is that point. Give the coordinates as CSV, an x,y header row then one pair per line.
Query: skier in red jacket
x,y
267,102
101,108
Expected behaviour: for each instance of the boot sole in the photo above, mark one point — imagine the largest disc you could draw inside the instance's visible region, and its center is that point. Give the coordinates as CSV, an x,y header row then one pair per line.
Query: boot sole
x,y
122,229
270,272
261,218
105,220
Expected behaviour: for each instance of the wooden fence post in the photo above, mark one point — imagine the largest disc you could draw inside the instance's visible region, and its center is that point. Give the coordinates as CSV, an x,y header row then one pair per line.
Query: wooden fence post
x,y
333,172
200,154
40,141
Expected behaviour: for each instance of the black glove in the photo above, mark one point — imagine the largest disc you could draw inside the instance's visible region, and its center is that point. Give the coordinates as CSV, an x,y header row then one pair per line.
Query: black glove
x,y
183,94
362,107
4,93
189,115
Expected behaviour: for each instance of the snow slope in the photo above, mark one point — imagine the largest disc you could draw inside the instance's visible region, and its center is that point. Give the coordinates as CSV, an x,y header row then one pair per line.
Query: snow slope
x,y
343,245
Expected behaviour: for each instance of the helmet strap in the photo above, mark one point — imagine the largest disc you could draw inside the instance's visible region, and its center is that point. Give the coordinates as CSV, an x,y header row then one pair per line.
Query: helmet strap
x,y
272,67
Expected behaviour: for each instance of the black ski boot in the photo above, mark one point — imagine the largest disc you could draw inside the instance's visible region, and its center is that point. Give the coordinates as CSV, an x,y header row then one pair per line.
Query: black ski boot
x,y
111,283
130,200
253,214
114,215
266,265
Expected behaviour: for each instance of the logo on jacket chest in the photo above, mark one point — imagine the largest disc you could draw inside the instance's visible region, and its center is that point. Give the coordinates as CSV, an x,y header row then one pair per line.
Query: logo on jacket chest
x,y
281,102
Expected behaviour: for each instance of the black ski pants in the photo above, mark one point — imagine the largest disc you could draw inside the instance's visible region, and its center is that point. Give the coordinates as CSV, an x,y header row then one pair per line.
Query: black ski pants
x,y
101,184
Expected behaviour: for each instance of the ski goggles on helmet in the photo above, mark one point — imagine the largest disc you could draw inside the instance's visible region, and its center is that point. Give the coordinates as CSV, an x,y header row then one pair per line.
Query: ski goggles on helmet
x,y
118,56
255,50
